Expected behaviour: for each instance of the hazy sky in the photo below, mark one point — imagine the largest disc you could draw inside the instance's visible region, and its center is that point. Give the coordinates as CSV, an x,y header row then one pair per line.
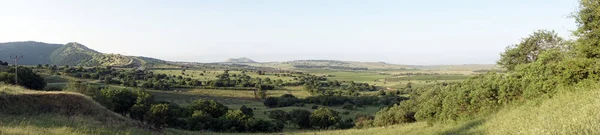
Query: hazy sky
x,y
394,31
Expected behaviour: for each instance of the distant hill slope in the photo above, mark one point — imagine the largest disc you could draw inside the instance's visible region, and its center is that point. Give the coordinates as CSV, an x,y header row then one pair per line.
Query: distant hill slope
x,y
77,54
355,65
240,60
73,54
330,64
34,52
461,67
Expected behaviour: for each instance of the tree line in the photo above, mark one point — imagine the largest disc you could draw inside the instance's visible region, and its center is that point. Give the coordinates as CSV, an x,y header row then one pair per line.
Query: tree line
x,y
199,115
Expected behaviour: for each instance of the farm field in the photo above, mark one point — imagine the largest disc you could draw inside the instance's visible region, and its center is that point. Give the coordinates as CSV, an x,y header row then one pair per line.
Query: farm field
x,y
211,74
389,80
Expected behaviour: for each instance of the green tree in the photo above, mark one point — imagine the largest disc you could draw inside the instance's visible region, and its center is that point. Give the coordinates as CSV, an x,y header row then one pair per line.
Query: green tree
x,y
300,117
394,115
324,118
211,107
588,43
530,48
199,121
158,115
234,121
271,102
27,78
279,115
247,111
118,100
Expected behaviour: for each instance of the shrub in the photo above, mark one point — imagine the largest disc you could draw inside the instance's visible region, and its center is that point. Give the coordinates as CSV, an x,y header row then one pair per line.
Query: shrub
x,y
200,120
158,115
211,107
364,121
324,118
271,102
300,117
118,100
247,111
393,115
27,78
345,124
279,115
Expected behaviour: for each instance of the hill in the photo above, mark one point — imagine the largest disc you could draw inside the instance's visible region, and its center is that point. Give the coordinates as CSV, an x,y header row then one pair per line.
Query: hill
x,y
25,111
240,60
77,54
330,64
35,52
73,54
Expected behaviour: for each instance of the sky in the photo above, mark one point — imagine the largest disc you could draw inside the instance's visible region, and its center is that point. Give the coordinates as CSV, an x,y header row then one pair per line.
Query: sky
x,y
413,32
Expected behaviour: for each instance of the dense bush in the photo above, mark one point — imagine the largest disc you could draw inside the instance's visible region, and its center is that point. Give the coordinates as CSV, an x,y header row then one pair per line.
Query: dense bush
x,y
344,124
26,78
118,100
364,121
282,101
324,118
300,117
210,107
279,115
247,111
158,115
393,115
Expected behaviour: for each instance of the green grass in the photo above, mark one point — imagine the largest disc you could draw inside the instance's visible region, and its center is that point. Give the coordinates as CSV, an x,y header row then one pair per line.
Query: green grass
x,y
53,124
187,97
54,79
211,74
427,78
24,111
297,91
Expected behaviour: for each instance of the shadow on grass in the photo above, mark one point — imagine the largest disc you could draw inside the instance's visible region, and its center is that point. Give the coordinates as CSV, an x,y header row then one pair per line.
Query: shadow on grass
x,y
464,129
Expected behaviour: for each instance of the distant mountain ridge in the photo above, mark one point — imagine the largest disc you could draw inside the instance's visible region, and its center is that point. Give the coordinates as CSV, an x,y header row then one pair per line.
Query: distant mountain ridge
x,y
76,54
34,52
240,60
73,54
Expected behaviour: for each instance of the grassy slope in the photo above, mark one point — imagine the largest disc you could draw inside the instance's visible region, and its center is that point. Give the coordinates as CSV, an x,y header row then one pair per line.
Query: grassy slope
x,y
32,112
567,113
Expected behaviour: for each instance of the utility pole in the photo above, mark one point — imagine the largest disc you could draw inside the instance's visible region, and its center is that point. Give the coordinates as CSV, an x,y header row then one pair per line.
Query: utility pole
x,y
17,58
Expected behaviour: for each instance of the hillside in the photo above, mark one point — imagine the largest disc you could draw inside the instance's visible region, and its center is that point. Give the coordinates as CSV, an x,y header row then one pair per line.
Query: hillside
x,y
58,113
240,60
569,113
73,54
34,52
77,54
